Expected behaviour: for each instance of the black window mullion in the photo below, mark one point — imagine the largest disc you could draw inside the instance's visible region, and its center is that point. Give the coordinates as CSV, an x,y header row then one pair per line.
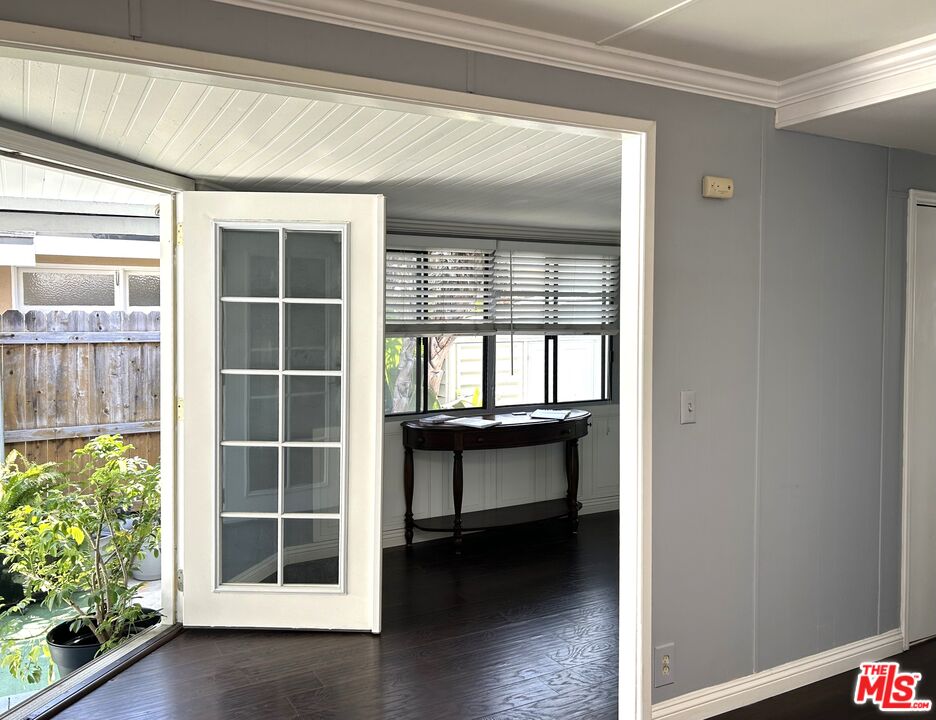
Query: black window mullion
x,y
610,358
424,384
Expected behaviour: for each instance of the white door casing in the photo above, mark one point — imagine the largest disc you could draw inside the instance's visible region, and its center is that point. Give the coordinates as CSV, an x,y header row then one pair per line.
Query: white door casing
x,y
919,508
263,595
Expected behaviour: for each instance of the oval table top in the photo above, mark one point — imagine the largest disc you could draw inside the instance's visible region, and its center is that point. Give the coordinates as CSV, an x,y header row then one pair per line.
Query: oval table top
x,y
511,431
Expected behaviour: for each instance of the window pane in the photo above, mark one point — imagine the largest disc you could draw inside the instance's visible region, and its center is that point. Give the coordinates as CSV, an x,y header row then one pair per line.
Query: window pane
x,y
313,337
248,407
249,263
401,374
63,288
310,552
456,372
248,550
313,408
248,479
579,368
524,382
143,290
249,336
313,264
312,480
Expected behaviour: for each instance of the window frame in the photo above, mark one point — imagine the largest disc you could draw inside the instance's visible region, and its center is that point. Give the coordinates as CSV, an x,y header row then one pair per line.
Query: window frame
x,y
119,273
489,379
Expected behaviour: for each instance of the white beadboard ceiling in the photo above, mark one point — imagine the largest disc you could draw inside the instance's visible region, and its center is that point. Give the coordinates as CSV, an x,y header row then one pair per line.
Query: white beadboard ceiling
x,y
26,180
429,167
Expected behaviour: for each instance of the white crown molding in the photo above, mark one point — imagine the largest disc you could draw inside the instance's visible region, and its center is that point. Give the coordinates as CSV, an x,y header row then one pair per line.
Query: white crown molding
x,y
718,699
468,33
891,73
894,72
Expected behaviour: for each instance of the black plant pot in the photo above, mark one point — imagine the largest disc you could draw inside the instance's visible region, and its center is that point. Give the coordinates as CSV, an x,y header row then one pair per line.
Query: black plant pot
x,y
71,650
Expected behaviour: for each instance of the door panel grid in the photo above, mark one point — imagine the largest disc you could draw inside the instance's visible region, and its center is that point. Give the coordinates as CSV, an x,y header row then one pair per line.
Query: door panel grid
x,y
297,540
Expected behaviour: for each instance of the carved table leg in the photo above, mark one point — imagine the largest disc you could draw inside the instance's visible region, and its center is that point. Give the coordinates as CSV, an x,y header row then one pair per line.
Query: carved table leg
x,y
458,483
572,475
408,494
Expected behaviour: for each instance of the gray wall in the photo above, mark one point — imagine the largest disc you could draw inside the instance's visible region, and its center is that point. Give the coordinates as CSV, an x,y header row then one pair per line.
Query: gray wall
x,y
776,516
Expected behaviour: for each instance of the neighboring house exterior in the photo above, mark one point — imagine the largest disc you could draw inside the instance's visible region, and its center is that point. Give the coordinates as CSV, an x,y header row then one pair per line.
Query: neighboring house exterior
x,y
90,260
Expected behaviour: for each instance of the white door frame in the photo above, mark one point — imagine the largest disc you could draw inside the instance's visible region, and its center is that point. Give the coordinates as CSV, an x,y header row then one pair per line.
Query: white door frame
x,y
639,140
915,198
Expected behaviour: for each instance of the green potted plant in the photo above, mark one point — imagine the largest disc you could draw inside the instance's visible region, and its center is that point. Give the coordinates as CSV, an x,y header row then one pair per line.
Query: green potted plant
x,y
74,546
21,483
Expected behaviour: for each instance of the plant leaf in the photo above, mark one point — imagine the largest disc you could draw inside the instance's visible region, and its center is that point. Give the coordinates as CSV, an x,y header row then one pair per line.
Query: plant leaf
x,y
76,534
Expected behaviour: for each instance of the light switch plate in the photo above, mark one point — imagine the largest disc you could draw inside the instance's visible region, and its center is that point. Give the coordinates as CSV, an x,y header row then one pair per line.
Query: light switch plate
x,y
664,665
687,407
720,188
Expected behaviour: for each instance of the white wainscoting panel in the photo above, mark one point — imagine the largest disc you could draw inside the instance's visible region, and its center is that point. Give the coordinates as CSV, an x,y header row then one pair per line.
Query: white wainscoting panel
x,y
499,478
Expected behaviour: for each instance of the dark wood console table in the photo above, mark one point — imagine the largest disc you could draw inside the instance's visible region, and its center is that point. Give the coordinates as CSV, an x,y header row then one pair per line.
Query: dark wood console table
x,y
514,431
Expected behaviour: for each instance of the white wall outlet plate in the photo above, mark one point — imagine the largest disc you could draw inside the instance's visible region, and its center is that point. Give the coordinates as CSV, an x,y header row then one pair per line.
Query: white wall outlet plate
x,y
664,665
720,188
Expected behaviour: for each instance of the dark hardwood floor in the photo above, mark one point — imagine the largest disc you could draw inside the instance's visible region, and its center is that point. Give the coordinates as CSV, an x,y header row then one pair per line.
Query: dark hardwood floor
x,y
523,626
831,699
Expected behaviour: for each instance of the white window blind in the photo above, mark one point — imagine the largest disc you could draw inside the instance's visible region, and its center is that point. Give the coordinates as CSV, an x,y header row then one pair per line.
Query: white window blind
x,y
556,290
439,291
515,286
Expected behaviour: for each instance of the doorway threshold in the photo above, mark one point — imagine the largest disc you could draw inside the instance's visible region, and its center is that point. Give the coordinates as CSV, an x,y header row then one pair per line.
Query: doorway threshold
x,y
55,698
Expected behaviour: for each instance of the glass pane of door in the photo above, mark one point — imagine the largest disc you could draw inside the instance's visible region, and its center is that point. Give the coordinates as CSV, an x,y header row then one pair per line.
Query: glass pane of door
x,y
282,339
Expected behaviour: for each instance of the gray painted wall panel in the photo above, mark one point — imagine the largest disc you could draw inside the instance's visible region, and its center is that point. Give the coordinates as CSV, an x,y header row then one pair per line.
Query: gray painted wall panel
x,y
827,323
820,403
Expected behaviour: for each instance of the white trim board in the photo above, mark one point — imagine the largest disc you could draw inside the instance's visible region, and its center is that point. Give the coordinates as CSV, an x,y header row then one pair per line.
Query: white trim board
x,y
914,199
711,701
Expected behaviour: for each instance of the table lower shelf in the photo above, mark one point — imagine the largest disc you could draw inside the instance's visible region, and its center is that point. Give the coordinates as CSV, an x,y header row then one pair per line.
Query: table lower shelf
x,y
497,517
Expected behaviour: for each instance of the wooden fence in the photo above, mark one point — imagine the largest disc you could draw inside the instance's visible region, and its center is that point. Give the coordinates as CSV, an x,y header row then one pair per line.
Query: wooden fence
x,y
68,376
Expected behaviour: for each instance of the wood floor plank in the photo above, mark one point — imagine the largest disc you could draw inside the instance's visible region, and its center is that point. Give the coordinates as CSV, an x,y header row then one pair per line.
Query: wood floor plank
x,y
522,625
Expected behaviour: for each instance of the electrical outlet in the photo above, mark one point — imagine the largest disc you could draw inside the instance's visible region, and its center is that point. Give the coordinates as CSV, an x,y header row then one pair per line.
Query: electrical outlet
x,y
664,665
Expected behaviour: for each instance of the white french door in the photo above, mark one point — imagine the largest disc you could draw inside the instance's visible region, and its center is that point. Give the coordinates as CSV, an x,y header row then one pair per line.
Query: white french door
x,y
280,309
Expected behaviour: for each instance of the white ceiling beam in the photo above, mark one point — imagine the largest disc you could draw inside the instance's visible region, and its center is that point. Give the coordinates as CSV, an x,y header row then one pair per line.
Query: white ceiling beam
x,y
81,207
50,223
32,147
895,72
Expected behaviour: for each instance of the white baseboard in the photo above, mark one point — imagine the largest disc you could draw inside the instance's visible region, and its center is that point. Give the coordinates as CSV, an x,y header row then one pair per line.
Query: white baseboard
x,y
394,536
707,702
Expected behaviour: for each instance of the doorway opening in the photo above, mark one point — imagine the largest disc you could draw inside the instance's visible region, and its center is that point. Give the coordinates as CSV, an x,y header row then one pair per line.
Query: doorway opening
x,y
83,279
353,132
